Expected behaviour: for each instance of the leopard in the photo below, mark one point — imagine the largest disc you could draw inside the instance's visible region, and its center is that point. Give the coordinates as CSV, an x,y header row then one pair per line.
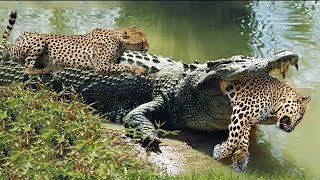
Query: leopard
x,y
98,50
253,100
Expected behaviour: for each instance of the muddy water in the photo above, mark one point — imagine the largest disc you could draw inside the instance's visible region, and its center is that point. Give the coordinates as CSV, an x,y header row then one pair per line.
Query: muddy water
x,y
210,30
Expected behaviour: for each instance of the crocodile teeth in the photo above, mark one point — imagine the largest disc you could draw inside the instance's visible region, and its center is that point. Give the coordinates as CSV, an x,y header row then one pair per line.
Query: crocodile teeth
x,y
283,70
283,75
294,63
296,66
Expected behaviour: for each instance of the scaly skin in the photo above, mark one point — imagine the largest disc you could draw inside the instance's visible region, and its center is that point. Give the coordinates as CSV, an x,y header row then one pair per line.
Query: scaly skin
x,y
181,95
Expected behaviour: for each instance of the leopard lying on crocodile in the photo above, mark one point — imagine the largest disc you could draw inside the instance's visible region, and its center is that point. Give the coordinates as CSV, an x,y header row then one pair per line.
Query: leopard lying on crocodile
x,y
197,96
99,49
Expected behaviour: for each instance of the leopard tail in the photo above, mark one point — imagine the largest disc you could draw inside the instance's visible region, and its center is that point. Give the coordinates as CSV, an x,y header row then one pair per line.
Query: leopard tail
x,y
12,20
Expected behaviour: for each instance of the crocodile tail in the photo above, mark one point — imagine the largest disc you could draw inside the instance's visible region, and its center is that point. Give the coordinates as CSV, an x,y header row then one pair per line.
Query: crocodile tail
x,y
12,20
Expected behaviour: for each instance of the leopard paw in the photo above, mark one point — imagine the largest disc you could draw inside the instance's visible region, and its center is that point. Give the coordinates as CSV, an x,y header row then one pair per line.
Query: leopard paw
x,y
47,72
142,71
217,155
240,160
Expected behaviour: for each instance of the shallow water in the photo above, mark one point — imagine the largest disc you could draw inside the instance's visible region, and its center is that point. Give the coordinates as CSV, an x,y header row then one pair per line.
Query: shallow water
x,y
210,30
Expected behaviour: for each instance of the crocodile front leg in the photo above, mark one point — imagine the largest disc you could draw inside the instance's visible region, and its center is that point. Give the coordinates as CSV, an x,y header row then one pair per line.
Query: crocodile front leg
x,y
138,121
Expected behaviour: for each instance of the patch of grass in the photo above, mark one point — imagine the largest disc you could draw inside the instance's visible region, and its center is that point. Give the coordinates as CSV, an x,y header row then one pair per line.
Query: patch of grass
x,y
42,137
221,174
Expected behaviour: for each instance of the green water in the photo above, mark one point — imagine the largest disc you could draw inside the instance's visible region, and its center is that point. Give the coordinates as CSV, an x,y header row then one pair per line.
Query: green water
x,y
210,30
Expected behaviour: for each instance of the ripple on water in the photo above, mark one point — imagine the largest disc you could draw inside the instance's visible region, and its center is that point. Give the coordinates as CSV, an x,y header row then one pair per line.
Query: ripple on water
x,y
293,26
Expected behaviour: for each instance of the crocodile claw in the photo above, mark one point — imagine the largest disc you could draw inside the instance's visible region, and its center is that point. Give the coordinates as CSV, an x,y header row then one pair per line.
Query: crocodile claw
x,y
151,141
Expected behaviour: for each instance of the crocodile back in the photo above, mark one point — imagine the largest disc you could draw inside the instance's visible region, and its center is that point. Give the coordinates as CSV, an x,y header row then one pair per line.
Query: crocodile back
x,y
112,95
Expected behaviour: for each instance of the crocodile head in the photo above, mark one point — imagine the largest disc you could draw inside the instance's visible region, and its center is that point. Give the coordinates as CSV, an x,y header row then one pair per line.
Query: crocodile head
x,y
208,89
241,66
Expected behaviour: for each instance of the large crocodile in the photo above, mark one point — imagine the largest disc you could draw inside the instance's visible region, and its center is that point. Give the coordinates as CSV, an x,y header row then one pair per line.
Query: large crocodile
x,y
181,95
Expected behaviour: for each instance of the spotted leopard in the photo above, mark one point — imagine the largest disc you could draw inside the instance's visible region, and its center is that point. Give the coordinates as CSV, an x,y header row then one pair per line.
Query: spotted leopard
x,y
253,100
99,49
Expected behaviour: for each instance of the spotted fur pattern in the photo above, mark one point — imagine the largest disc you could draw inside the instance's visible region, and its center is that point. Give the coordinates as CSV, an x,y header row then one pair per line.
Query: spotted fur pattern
x,y
99,49
253,100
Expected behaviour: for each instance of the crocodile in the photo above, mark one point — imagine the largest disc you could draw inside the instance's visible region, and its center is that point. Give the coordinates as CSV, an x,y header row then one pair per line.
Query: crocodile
x,y
174,94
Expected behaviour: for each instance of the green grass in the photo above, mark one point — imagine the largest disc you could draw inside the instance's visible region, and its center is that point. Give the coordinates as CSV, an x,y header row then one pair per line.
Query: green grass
x,y
220,174
43,137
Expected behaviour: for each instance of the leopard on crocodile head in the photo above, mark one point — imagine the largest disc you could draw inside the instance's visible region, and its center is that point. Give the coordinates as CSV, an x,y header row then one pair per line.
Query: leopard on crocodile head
x,y
256,99
99,49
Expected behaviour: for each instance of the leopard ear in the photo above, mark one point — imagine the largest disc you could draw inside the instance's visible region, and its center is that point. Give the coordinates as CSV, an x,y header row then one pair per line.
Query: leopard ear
x,y
305,100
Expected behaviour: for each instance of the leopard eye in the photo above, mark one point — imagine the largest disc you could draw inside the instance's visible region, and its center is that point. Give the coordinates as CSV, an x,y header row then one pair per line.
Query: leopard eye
x,y
125,35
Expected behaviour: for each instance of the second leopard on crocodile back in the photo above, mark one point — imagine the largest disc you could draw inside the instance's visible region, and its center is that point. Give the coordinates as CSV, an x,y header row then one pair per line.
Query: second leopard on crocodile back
x,y
99,49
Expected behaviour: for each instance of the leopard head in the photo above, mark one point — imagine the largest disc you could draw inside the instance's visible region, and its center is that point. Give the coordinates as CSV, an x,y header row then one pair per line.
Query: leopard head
x,y
133,39
290,113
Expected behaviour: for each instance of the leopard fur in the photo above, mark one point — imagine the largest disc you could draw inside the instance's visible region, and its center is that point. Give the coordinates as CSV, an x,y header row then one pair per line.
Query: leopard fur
x,y
99,49
253,100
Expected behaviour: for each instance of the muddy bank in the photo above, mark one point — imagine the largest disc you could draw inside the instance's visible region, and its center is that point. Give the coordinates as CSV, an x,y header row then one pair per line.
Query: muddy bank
x,y
192,151
187,151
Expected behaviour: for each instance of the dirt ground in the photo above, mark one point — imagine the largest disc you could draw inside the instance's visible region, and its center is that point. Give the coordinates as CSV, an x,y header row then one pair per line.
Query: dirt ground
x,y
192,151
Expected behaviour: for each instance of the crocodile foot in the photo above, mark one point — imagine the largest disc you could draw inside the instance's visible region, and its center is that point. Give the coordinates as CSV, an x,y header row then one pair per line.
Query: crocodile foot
x,y
151,141
240,160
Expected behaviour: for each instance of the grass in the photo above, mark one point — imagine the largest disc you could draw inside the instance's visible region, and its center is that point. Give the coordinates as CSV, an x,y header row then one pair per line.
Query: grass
x,y
220,174
42,137
45,137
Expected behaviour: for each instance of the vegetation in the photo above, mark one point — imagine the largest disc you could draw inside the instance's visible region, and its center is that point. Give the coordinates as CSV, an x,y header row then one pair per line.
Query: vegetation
x,y
221,174
43,137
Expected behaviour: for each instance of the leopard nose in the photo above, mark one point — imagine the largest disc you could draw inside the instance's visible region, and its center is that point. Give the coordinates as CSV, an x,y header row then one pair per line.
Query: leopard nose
x,y
145,47
285,123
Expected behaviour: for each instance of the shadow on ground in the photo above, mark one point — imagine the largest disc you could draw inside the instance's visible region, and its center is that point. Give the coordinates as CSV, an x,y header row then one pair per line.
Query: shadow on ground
x,y
191,150
262,159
